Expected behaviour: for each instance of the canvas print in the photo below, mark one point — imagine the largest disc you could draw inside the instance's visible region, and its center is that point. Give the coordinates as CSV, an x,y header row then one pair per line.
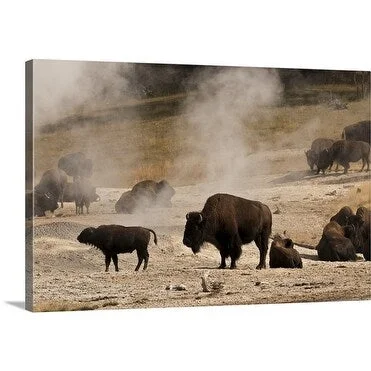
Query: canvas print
x,y
154,185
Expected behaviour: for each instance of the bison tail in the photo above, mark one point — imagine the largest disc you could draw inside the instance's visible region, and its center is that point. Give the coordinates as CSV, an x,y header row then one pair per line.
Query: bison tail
x,y
154,234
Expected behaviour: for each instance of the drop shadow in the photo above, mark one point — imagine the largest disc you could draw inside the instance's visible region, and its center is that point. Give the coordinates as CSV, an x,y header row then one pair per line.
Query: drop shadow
x,y
17,304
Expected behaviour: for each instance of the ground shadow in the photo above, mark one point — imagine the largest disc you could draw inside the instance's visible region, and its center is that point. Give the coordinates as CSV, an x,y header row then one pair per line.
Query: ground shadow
x,y
294,176
309,257
328,178
18,304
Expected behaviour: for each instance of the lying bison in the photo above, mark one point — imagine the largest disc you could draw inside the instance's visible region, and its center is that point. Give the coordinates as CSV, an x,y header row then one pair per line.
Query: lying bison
x,y
130,203
318,145
342,216
38,203
358,228
344,152
157,193
49,191
228,222
282,253
76,164
144,194
117,239
358,131
334,246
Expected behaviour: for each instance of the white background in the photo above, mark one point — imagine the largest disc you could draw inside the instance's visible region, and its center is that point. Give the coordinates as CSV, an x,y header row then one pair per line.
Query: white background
x,y
275,34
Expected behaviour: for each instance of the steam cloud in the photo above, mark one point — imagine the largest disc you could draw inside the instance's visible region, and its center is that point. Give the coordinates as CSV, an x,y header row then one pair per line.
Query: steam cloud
x,y
62,88
217,117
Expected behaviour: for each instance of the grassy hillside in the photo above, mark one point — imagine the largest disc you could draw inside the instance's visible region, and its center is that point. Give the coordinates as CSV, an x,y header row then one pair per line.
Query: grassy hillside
x,y
142,141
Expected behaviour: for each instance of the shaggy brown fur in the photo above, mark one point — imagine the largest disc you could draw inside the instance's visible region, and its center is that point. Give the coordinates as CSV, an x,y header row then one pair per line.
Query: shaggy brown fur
x,y
228,222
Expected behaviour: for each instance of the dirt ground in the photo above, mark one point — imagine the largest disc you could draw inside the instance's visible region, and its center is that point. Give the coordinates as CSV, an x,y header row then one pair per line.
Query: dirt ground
x,y
69,275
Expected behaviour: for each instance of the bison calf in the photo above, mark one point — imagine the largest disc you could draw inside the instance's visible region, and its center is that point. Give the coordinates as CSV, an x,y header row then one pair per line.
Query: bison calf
x,y
117,239
283,255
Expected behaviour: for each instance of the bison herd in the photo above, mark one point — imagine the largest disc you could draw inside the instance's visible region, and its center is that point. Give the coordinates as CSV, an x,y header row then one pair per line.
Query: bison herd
x,y
354,146
226,221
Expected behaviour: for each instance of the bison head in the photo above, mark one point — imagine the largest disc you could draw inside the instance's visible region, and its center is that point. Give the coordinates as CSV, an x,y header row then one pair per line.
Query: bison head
x,y
282,241
193,232
86,236
44,202
324,159
312,158
354,231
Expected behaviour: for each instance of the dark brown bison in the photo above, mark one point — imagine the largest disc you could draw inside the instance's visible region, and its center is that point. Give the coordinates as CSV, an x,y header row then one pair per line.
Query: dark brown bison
x,y
282,253
145,194
38,203
157,193
130,203
76,164
358,131
228,222
343,152
117,239
342,216
84,194
358,229
318,145
69,193
334,246
49,190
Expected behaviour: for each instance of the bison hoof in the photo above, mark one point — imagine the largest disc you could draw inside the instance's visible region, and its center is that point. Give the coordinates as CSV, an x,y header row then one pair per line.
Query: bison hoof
x,y
261,266
233,267
221,266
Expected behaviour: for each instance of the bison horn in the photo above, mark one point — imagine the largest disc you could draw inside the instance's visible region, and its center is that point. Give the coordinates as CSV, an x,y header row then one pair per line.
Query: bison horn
x,y
187,216
200,218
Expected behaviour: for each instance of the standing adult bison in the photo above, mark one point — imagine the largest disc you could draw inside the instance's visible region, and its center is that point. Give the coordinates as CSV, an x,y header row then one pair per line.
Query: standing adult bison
x,y
318,145
358,131
70,193
282,253
228,222
344,152
49,190
76,164
334,245
117,239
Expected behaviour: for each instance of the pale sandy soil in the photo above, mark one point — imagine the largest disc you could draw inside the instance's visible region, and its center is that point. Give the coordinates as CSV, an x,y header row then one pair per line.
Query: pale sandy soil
x,y
70,275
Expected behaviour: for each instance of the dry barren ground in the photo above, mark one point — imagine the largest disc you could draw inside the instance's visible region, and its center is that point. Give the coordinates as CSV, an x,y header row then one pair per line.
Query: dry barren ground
x,y
69,275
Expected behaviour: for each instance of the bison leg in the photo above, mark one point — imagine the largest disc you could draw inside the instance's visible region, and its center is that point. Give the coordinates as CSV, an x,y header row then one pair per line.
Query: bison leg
x,y
140,260
366,160
146,258
115,262
108,261
346,167
223,256
235,251
262,242
235,254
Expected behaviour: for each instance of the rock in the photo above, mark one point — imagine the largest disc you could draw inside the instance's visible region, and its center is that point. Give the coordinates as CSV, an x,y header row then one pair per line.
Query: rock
x,y
333,193
176,287
277,211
